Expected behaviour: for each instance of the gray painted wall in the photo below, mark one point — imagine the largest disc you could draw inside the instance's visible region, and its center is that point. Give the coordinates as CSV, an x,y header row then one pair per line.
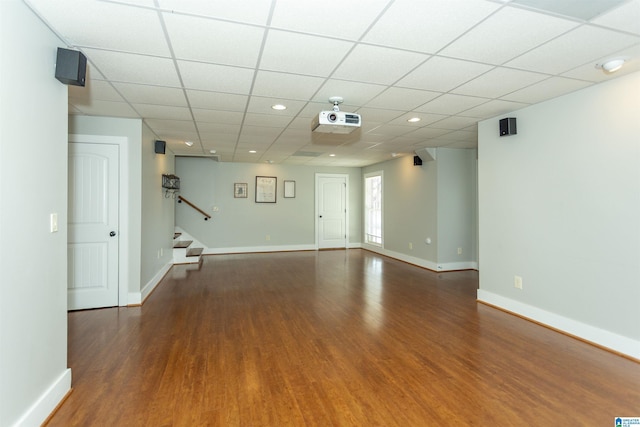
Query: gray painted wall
x,y
242,223
457,206
435,201
33,184
157,211
560,207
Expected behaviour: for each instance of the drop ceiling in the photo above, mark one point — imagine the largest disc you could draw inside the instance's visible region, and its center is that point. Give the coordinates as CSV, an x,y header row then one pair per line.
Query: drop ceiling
x,y
209,71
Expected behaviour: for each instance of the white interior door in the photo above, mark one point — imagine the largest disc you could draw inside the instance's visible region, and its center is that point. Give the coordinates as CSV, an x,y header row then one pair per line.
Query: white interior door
x,y
331,193
93,226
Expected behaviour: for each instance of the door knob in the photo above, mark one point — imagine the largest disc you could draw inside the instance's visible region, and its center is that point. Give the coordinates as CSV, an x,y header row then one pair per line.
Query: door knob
x,y
113,233
320,216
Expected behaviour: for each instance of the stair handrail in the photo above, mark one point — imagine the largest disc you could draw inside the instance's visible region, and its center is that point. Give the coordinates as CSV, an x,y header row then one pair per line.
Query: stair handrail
x,y
182,199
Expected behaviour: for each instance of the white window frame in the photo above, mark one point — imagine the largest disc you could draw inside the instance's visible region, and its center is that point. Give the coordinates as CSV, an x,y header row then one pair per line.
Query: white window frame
x,y
369,238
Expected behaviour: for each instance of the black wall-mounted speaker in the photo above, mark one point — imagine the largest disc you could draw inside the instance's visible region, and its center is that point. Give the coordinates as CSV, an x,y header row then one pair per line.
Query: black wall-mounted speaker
x,y
417,161
71,67
160,147
508,126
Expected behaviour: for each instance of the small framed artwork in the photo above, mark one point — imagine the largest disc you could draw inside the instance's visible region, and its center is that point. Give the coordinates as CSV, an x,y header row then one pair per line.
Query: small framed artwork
x,y
240,190
266,189
289,189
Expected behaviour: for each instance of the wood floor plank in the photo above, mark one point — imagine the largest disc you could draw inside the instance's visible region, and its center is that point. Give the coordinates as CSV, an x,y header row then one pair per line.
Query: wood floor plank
x,y
331,338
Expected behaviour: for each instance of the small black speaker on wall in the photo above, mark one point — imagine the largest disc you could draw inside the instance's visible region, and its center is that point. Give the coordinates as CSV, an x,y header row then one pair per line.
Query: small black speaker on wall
x,y
417,161
71,67
160,147
508,126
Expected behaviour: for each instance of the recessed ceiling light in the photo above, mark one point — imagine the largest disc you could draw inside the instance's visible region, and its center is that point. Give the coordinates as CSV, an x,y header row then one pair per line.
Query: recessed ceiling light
x,y
611,65
394,154
332,155
279,107
253,151
212,151
189,143
414,119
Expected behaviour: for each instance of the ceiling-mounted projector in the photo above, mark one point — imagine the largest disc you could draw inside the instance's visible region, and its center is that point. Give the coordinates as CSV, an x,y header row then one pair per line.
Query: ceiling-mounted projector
x,y
335,121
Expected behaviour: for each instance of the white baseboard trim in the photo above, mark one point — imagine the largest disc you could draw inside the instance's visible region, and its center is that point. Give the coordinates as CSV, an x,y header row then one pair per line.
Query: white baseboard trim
x,y
137,298
47,402
601,337
429,265
250,249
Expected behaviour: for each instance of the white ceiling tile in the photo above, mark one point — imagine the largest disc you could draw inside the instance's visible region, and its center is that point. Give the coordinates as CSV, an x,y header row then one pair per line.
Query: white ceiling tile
x,y
625,18
266,120
493,108
443,74
335,18
378,115
219,128
145,94
454,122
163,124
260,134
249,11
131,68
286,51
363,64
578,9
498,82
546,89
138,29
217,78
162,112
487,42
242,47
95,89
589,72
396,98
355,93
450,104
216,100
288,86
461,135
425,119
427,25
105,108
263,105
573,49
217,116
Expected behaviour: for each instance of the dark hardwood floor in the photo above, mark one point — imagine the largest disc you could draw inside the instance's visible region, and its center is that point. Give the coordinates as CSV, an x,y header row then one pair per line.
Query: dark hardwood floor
x,y
332,338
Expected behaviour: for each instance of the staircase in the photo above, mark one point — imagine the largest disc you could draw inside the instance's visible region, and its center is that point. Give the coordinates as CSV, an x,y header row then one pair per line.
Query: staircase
x,y
185,249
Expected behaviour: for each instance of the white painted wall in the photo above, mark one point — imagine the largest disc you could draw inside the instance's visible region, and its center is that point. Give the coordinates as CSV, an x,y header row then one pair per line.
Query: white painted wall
x,y
560,207
242,224
33,184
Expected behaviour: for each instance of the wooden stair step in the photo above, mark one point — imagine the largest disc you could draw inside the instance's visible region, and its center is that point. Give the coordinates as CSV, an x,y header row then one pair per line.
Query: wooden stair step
x,y
194,252
183,244
176,235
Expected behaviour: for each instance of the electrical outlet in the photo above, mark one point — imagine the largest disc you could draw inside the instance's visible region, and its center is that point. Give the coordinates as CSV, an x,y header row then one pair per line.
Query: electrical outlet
x,y
517,282
53,222
459,251
267,237
410,246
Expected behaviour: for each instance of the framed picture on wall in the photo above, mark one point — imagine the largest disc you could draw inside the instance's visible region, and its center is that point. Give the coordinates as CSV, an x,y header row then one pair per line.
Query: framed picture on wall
x,y
240,190
266,189
289,189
